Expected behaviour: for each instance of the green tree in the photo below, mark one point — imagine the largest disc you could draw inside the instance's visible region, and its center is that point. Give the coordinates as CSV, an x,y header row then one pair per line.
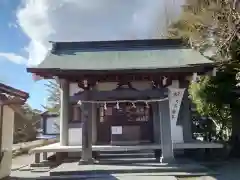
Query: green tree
x,y
53,99
30,119
32,114
205,94
213,27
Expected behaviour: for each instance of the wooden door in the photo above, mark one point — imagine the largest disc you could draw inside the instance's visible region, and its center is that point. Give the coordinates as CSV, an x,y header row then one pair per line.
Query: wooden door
x,y
135,122
103,127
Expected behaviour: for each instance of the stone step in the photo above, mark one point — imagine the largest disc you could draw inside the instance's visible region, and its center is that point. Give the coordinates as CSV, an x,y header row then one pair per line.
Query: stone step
x,y
125,155
139,176
72,168
133,154
44,164
128,152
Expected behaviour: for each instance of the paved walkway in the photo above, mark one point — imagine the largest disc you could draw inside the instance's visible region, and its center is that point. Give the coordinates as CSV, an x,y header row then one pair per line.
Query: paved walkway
x,y
229,171
21,161
108,177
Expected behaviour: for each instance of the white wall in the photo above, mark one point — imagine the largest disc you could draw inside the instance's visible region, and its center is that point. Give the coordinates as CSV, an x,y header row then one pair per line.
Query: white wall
x,y
52,125
7,141
75,135
75,130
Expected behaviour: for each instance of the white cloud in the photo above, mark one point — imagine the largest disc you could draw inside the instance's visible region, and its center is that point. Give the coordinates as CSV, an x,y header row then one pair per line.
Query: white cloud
x,y
86,20
13,57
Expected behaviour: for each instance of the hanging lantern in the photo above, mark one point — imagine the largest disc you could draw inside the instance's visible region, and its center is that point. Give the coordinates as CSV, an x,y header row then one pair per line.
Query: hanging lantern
x,y
85,83
164,81
194,77
79,103
147,105
133,105
105,106
117,105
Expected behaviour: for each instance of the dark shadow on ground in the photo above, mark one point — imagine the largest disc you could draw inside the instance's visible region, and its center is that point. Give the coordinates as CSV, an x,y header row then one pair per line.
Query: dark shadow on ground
x,y
228,170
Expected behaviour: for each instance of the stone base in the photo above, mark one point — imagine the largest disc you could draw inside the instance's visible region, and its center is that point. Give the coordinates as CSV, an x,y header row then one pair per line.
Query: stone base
x,y
170,160
60,156
87,162
157,154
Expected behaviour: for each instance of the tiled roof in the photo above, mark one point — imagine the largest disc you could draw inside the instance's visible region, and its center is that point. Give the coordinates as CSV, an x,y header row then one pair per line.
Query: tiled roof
x,y
12,91
121,55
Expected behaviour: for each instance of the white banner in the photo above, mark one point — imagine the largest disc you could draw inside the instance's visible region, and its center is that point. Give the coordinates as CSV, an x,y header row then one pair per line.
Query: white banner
x,y
175,96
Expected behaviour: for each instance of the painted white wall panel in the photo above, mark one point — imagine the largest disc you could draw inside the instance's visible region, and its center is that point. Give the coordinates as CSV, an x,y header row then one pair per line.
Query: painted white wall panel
x,y
75,136
52,125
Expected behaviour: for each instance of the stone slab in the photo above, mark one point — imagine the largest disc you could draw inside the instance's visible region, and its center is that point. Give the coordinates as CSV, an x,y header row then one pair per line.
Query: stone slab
x,y
72,168
150,176
186,145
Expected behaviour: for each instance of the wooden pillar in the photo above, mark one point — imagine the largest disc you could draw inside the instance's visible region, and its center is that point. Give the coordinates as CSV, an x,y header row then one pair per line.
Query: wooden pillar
x,y
45,156
37,158
86,157
165,130
64,112
94,123
185,114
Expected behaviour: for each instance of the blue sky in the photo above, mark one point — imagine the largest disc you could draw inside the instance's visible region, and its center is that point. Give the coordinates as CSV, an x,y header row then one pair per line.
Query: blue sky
x,y
13,40
27,26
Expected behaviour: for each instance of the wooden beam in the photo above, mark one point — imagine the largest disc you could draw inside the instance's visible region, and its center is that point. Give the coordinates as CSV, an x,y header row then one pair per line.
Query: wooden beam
x,y
12,91
111,74
121,94
12,102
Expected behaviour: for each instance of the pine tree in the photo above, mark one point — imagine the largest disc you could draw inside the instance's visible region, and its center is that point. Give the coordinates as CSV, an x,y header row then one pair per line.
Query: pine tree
x,y
211,25
53,99
213,28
